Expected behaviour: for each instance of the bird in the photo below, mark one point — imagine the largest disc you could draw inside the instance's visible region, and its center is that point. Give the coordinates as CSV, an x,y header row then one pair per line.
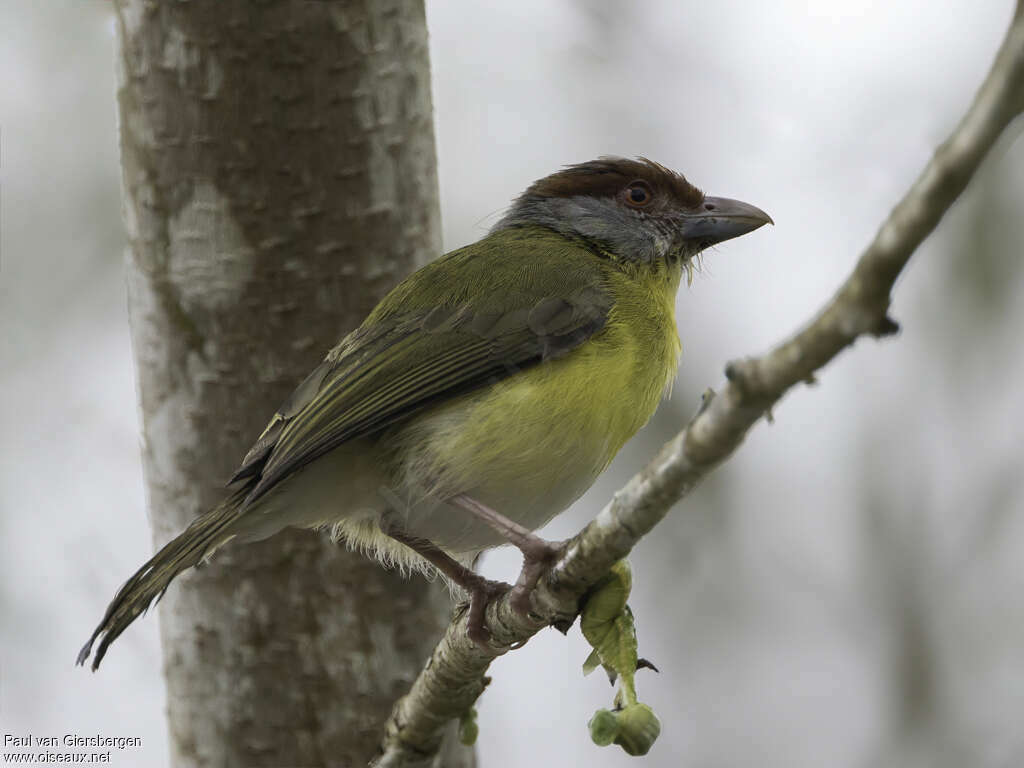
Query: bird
x,y
482,396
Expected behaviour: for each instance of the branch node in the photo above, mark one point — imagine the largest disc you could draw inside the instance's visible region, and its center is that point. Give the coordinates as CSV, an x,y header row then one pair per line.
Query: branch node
x,y
705,401
886,327
740,373
564,625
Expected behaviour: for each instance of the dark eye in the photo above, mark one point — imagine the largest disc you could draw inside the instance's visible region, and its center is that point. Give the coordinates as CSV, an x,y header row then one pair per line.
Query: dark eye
x,y
638,194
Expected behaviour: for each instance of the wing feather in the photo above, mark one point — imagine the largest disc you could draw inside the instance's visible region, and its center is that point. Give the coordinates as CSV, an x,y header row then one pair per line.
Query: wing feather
x,y
407,356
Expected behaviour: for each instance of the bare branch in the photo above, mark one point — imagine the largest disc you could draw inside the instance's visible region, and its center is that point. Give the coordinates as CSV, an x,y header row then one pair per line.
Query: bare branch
x,y
454,676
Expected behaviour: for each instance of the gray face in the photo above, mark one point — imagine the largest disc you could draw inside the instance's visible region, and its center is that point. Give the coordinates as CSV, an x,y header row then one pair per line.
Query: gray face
x,y
630,235
636,210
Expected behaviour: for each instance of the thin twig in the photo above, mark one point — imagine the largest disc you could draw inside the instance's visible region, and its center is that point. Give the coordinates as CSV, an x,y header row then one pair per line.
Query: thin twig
x,y
454,676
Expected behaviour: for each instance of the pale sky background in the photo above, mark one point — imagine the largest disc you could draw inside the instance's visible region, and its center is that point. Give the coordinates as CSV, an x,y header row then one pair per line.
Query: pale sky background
x,y
846,591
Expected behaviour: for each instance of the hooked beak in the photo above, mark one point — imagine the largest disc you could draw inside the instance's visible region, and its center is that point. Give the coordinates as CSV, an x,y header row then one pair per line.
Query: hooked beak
x,y
719,219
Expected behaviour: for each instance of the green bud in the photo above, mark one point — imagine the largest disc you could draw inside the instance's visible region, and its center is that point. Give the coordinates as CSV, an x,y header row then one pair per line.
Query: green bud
x,y
638,729
604,727
468,729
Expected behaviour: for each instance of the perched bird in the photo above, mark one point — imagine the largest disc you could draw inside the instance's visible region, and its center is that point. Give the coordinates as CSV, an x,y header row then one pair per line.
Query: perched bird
x,y
483,395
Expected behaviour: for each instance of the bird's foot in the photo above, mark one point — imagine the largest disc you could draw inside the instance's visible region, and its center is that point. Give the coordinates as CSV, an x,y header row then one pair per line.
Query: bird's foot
x,y
480,595
538,553
538,556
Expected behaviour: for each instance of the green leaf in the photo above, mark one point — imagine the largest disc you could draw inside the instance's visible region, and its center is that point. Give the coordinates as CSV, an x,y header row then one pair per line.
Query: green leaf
x,y
607,624
593,662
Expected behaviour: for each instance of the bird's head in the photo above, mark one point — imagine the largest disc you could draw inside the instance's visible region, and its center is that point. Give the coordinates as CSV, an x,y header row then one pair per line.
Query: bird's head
x,y
633,210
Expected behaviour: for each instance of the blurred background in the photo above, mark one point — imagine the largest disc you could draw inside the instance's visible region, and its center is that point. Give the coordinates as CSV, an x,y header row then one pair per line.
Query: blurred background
x,y
844,592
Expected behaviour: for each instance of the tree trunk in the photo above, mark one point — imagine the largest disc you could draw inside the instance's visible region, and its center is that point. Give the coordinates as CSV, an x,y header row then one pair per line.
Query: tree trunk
x,y
279,178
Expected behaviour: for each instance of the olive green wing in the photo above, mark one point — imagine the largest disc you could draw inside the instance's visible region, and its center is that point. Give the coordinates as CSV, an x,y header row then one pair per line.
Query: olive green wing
x,y
408,355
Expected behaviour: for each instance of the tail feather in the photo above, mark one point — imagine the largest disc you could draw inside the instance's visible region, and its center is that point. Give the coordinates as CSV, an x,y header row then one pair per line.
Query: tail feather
x,y
149,583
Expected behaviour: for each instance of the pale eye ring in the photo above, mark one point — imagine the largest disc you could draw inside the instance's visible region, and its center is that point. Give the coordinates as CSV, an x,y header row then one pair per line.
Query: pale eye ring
x,y
638,194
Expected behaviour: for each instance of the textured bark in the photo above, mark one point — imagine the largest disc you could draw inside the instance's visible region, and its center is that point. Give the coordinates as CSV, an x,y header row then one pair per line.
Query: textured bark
x,y
454,678
279,177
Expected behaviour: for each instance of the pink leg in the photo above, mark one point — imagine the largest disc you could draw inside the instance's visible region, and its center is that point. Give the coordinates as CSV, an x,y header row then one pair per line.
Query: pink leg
x,y
538,554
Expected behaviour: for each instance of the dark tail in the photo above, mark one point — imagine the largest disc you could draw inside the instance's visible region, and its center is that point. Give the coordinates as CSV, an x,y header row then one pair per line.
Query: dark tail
x,y
149,583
